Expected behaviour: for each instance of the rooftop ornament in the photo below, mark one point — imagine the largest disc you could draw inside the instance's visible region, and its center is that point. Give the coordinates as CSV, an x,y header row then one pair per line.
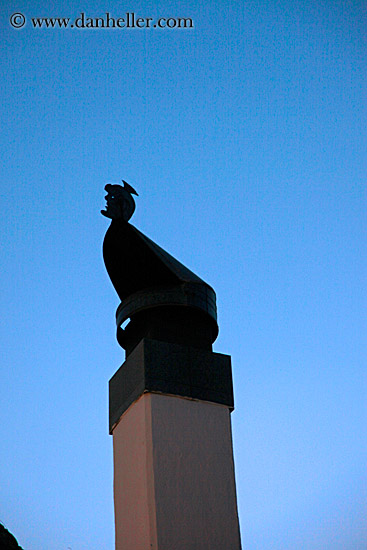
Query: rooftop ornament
x,y
161,298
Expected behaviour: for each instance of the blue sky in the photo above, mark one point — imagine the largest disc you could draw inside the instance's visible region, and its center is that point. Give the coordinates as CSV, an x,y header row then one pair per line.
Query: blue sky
x,y
245,138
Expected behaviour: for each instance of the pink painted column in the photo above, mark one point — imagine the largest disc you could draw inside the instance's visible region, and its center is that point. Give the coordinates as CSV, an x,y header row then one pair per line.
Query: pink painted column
x,y
174,485
174,480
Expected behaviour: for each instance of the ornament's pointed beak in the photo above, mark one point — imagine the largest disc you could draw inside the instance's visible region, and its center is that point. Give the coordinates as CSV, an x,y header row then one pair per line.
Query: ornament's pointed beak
x,y
130,189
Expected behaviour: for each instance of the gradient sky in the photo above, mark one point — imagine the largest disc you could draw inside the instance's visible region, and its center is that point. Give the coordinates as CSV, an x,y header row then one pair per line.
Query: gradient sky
x,y
246,140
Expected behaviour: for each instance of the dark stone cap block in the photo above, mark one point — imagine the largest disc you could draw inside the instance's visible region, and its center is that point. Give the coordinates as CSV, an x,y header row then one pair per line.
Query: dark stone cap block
x,y
163,367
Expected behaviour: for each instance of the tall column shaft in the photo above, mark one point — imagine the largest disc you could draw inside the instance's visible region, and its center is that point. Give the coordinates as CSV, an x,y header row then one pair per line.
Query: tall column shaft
x,y
174,485
174,482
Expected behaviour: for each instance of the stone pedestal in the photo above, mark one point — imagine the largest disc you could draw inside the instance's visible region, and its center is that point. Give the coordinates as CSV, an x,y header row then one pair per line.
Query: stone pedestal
x,y
174,484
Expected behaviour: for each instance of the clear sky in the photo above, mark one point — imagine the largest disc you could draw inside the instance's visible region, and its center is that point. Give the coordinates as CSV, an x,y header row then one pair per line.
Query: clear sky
x,y
245,138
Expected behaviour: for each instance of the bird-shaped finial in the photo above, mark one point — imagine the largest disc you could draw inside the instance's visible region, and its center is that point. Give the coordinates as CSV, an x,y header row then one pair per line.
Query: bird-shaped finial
x,y
120,203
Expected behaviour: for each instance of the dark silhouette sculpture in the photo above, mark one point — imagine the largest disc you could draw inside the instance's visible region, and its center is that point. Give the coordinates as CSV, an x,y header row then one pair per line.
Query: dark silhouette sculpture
x,y
163,299
171,319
